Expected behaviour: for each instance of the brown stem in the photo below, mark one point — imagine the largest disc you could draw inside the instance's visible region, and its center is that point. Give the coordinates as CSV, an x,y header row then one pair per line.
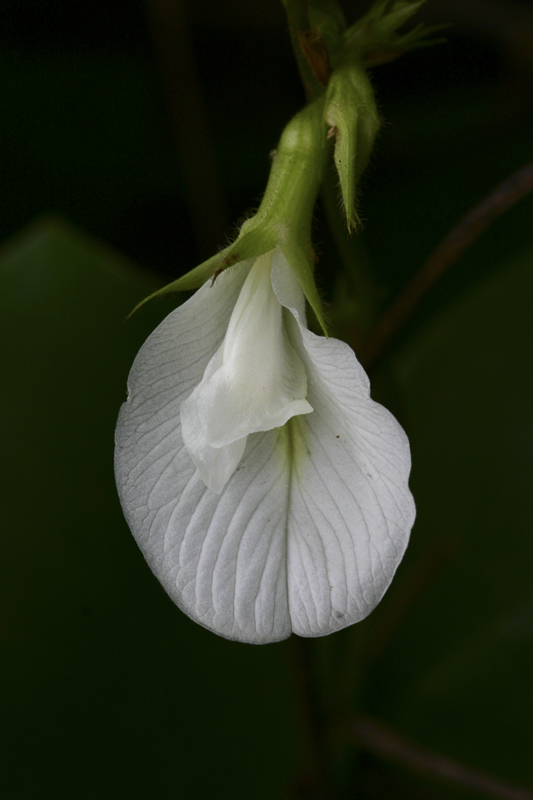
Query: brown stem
x,y
315,782
382,741
188,115
395,609
469,228
360,282
298,21
362,653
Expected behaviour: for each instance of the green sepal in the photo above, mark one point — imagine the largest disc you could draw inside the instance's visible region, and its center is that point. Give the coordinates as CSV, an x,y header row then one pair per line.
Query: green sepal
x,y
392,15
303,265
250,244
350,111
192,280
374,39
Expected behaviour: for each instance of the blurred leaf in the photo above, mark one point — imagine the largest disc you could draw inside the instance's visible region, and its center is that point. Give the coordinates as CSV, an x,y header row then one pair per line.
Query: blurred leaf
x,y
457,676
107,689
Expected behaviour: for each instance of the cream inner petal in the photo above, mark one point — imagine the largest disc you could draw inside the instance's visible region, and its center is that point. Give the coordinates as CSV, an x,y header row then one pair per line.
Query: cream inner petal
x,y
216,465
261,382
255,382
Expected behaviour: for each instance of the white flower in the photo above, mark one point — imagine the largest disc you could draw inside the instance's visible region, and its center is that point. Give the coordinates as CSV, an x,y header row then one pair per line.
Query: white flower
x,y
267,491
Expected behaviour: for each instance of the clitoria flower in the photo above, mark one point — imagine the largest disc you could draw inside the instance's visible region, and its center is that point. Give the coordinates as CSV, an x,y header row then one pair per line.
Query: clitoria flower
x,y
267,491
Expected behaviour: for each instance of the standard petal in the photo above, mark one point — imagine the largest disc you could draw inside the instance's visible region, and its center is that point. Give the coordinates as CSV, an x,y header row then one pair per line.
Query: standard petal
x,y
350,508
221,558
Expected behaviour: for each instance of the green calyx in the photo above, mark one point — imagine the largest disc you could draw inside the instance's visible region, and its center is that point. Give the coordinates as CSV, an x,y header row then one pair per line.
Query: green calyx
x,y
351,114
285,215
350,109
332,60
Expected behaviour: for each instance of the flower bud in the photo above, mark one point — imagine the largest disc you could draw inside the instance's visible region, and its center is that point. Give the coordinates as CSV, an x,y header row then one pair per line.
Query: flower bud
x,y
375,38
350,111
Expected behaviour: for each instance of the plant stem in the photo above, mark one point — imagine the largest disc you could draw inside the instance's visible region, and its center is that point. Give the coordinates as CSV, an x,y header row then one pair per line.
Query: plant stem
x,y
460,238
382,741
189,119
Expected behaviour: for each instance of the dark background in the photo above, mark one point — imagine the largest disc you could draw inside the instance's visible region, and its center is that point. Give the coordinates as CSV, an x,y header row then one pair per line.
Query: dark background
x,y
108,146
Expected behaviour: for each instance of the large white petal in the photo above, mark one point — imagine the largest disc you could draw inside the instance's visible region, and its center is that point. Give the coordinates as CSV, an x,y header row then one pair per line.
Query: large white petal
x,y
350,508
221,558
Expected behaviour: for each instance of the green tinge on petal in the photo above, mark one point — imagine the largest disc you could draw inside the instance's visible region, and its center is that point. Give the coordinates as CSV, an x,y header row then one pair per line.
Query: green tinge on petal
x,y
295,447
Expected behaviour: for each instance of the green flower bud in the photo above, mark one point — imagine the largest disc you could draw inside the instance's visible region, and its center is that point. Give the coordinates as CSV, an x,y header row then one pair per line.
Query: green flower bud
x,y
351,113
